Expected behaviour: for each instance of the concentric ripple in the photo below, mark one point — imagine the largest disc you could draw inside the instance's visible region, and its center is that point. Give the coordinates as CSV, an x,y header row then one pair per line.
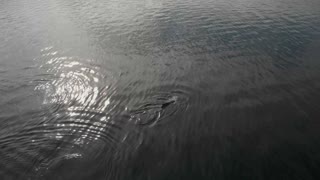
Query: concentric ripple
x,y
79,101
78,110
73,81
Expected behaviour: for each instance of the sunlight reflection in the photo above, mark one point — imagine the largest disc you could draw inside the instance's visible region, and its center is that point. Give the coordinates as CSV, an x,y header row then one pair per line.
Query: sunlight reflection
x,y
81,103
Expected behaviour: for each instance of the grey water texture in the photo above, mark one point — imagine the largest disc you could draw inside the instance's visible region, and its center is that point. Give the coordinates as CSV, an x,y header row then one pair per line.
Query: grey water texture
x,y
159,89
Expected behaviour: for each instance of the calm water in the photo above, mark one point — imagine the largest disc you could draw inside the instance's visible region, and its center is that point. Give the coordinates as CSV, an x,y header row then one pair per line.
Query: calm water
x,y
159,89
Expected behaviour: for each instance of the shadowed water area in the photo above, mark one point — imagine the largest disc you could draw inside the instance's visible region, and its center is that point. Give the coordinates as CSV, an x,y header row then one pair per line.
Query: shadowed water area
x,y
159,89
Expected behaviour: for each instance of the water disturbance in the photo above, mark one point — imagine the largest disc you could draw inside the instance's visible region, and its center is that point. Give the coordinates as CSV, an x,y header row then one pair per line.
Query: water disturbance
x,y
159,89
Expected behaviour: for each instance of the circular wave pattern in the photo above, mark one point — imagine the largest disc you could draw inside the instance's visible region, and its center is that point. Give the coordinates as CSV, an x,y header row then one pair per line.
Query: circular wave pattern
x,y
78,99
72,81
79,109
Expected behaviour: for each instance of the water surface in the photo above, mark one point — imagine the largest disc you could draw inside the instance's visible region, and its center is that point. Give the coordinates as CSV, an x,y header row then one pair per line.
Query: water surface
x,y
166,89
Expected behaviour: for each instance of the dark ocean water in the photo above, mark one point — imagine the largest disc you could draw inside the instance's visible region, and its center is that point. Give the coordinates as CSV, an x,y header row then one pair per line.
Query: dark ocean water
x,y
159,89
